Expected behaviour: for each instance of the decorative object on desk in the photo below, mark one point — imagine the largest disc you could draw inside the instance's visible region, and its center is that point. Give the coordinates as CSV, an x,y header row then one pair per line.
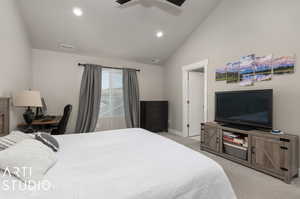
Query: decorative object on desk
x,y
29,99
41,111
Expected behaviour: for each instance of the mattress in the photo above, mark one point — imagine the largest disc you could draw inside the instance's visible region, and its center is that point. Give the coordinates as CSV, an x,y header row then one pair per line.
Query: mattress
x,y
128,164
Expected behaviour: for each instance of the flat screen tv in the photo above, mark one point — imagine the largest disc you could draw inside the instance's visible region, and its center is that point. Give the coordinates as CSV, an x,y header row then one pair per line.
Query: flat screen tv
x,y
252,108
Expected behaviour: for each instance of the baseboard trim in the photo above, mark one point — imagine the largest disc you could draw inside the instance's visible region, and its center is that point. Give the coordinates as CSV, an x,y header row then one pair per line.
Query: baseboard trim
x,y
175,132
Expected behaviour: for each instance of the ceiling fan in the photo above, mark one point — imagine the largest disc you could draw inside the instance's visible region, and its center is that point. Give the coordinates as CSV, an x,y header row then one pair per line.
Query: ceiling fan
x,y
175,2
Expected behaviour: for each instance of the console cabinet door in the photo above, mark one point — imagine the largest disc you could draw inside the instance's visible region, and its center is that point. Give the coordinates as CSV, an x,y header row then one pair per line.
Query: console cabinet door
x,y
210,137
269,155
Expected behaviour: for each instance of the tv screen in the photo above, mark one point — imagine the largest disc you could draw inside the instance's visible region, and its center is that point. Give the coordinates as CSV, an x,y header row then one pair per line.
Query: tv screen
x,y
251,108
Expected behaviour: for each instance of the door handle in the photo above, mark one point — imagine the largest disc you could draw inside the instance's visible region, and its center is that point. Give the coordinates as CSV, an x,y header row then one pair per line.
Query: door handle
x,y
284,148
253,150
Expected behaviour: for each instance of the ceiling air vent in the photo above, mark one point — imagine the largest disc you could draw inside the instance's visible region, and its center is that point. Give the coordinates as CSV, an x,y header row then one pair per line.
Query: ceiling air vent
x,y
66,46
155,61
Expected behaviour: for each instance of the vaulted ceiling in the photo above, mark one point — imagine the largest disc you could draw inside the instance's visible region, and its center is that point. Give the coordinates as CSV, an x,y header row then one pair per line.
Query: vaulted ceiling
x,y
107,29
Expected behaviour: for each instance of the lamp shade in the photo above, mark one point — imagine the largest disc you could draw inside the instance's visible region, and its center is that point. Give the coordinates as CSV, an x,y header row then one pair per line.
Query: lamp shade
x,y
28,99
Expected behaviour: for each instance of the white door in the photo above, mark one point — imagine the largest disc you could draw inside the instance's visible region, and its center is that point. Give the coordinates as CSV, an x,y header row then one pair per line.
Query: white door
x,y
195,102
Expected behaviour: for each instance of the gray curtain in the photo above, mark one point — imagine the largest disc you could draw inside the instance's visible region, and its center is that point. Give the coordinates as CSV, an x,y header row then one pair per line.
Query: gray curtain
x,y
131,98
89,99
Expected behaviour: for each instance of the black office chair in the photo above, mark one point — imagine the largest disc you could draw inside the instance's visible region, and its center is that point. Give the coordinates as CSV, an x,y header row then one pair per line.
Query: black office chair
x,y
62,126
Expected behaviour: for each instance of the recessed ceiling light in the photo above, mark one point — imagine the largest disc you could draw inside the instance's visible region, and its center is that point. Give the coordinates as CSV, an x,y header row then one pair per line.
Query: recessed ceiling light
x,y
77,11
159,34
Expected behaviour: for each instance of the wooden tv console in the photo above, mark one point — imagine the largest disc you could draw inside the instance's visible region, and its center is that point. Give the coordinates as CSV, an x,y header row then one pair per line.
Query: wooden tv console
x,y
276,155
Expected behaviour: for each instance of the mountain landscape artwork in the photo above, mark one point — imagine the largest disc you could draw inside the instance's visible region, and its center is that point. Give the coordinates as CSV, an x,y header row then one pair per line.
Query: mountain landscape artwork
x,y
250,69
284,65
263,68
247,76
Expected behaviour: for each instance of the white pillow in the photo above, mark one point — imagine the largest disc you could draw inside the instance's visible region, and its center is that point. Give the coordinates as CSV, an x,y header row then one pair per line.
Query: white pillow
x,y
13,138
28,160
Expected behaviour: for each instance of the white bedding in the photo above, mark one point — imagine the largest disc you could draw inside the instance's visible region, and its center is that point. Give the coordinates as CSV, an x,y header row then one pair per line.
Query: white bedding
x,y
129,164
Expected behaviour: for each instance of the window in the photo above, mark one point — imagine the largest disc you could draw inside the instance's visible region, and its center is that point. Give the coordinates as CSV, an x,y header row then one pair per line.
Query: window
x,y
111,114
112,94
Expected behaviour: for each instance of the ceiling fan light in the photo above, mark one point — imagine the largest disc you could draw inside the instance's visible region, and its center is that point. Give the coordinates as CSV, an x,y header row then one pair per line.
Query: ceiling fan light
x,y
176,2
122,1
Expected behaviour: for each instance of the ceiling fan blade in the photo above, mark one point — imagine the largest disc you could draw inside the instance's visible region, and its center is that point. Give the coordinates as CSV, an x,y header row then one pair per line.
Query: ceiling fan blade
x,y
176,2
122,1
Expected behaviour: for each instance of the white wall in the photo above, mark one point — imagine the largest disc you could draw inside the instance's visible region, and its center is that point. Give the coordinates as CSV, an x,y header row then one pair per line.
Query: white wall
x,y
15,53
58,78
234,29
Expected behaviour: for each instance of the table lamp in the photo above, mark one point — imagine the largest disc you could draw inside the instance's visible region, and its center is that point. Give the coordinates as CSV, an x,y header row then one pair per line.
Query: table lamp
x,y
29,99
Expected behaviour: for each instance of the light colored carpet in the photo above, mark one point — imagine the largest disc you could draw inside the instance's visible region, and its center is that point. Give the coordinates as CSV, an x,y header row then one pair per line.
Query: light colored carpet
x,y
247,183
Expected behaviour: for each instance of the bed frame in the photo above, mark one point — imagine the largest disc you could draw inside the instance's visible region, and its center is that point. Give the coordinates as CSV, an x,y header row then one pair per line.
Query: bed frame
x,y
4,116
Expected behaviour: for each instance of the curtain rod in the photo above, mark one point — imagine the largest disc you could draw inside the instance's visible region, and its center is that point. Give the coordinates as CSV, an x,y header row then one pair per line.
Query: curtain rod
x,y
138,70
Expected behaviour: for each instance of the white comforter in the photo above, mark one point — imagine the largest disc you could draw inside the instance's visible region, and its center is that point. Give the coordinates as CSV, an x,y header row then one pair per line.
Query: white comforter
x,y
129,164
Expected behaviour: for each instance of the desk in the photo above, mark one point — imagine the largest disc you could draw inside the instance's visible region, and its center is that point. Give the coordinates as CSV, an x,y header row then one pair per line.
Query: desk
x,y
40,125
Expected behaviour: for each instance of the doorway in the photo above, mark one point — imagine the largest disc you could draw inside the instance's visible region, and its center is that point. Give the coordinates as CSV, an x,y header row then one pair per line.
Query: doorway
x,y
194,98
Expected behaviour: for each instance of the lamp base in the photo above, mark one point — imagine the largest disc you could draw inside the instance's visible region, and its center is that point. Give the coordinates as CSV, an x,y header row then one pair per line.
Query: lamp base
x,y
28,116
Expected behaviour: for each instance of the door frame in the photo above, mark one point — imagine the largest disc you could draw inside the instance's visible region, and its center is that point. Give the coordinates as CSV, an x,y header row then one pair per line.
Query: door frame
x,y
185,70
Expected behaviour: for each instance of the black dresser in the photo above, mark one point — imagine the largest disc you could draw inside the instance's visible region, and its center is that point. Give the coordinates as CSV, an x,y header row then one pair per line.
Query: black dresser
x,y
154,116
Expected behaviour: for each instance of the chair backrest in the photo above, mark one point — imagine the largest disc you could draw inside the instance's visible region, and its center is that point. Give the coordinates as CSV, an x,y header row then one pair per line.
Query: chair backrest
x,y
62,126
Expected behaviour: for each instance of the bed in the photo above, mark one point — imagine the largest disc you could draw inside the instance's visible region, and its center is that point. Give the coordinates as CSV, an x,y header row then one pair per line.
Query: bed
x,y
129,164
